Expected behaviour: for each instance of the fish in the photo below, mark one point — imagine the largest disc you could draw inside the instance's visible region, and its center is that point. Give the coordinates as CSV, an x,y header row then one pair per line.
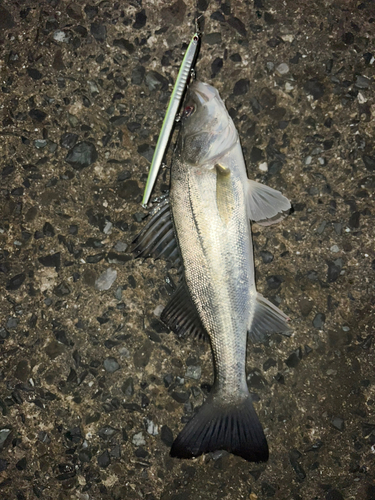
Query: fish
x,y
203,228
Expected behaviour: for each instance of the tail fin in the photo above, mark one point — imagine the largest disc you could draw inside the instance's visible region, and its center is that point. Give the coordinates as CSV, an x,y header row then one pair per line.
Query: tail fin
x,y
234,428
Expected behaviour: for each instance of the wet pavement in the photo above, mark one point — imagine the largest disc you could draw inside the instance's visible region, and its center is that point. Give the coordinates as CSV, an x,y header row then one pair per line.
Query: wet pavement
x,y
93,387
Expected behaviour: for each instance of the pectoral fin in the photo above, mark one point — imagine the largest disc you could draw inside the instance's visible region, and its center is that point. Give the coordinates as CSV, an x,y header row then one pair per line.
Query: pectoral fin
x,y
224,192
266,205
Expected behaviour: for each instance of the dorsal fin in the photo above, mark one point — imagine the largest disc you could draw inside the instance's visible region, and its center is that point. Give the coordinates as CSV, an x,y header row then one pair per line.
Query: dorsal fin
x,y
181,316
157,238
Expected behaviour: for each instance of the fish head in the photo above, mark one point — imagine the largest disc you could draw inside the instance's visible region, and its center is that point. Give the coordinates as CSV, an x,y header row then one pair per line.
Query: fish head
x,y
207,130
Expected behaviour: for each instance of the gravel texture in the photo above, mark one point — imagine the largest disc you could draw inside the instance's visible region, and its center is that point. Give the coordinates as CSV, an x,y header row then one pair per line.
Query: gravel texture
x,y
93,388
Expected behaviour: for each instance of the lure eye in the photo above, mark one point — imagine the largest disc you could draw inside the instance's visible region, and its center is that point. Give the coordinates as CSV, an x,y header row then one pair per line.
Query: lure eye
x,y
188,111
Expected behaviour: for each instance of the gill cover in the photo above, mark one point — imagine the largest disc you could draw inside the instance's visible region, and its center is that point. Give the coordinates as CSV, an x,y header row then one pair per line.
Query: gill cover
x,y
207,131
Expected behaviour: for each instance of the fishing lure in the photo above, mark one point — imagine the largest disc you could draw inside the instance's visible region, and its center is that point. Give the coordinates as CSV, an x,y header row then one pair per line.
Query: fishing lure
x,y
173,106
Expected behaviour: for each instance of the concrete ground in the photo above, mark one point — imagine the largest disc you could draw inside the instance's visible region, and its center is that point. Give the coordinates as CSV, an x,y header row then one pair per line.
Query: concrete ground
x,y
93,387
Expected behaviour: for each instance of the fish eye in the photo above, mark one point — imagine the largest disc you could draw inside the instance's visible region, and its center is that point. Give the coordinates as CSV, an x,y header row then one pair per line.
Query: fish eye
x,y
188,111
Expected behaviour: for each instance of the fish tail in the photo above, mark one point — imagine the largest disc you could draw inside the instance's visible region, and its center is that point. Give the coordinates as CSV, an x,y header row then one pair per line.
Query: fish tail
x,y
232,427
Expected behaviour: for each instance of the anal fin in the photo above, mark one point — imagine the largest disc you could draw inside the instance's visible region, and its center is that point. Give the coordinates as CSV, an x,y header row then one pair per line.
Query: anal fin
x,y
267,319
266,205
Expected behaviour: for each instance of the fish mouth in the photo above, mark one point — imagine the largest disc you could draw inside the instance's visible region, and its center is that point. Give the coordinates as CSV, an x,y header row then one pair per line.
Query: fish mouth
x,y
202,92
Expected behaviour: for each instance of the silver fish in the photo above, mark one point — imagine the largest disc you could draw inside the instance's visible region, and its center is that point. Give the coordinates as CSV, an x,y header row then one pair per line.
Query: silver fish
x,y
204,228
